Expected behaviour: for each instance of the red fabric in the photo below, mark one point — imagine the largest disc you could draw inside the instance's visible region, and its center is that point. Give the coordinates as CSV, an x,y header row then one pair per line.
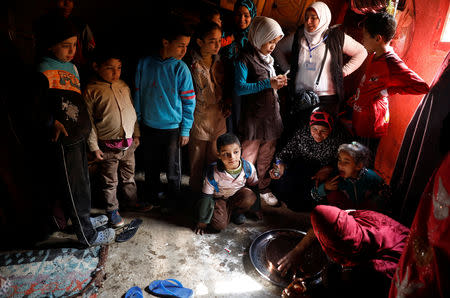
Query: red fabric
x,y
424,268
226,40
384,76
360,237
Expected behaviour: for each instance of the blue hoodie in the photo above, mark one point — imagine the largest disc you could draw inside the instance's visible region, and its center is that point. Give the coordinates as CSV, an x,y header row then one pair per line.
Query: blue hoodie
x,y
165,97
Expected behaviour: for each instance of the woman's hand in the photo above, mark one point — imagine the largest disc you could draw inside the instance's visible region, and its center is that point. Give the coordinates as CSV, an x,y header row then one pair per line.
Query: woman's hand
x,y
278,82
200,228
322,175
184,140
58,129
280,167
98,155
136,141
332,184
291,260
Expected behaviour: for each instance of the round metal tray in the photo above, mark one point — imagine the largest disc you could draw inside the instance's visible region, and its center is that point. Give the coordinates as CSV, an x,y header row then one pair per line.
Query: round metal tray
x,y
258,257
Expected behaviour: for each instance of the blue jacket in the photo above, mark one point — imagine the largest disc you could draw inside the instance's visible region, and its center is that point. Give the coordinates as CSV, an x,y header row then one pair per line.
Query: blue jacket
x,y
165,97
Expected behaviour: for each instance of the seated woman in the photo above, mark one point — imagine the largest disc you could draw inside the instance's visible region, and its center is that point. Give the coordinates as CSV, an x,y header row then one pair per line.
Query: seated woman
x,y
312,148
304,51
366,246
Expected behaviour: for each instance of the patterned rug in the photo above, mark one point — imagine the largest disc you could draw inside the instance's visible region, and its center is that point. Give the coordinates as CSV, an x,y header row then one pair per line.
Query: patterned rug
x,y
61,272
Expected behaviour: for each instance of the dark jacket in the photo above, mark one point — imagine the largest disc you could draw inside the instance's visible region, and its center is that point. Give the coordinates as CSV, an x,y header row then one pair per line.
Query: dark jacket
x,y
260,118
335,43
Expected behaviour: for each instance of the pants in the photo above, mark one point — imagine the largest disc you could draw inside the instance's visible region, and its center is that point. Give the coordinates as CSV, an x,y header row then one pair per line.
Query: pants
x,y
73,187
117,167
233,120
201,154
261,152
161,148
240,202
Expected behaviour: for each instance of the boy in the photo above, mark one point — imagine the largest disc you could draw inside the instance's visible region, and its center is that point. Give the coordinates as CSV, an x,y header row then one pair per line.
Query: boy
x,y
386,74
67,120
115,134
165,103
224,191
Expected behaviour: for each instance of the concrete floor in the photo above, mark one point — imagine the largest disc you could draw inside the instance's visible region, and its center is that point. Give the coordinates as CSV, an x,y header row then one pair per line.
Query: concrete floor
x,y
166,247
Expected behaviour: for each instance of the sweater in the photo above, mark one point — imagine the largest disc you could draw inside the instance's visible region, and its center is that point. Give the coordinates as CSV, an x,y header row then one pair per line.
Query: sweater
x,y
165,97
112,113
63,100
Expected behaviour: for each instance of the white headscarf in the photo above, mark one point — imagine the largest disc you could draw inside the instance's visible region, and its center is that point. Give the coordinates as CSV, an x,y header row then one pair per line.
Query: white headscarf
x,y
324,14
263,30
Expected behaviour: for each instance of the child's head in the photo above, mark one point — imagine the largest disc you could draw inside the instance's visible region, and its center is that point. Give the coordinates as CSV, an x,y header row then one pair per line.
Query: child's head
x,y
208,38
211,15
244,12
58,36
264,34
64,7
175,39
320,125
378,30
107,63
229,150
352,158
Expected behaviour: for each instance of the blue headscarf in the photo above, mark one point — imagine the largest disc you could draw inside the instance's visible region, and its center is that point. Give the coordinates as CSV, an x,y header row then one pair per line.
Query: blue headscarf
x,y
240,36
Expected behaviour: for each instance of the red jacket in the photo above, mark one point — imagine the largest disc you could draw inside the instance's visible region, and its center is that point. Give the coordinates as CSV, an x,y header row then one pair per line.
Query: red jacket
x,y
384,76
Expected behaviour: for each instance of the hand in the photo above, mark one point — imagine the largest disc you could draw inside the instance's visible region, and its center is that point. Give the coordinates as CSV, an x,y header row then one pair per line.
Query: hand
x,y
281,167
98,155
332,184
136,141
58,128
290,260
278,82
183,140
200,228
322,175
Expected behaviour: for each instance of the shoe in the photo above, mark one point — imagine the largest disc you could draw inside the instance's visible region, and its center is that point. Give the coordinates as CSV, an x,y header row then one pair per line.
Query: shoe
x,y
99,221
269,198
238,218
104,237
115,219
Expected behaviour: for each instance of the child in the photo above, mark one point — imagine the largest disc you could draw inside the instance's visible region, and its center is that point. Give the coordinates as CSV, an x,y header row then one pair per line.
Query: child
x,y
209,121
386,74
213,15
225,192
115,134
165,103
68,119
356,187
256,81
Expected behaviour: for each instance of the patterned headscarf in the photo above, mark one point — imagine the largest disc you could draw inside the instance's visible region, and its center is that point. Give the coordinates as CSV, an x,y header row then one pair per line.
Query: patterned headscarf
x,y
240,36
321,118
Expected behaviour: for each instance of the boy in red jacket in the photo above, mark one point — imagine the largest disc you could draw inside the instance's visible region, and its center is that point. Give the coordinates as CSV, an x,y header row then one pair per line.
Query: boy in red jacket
x,y
386,74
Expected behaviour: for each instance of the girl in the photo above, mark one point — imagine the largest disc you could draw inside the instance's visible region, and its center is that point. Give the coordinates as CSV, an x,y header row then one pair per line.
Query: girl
x,y
209,116
355,187
257,83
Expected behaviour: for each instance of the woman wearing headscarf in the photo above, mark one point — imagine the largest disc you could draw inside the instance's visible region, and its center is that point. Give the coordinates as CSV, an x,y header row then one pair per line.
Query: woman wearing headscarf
x,y
304,51
244,13
313,147
256,81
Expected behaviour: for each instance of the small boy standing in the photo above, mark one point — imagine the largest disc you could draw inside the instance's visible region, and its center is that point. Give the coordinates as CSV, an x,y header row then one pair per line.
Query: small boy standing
x,y
67,121
165,103
225,195
386,74
115,134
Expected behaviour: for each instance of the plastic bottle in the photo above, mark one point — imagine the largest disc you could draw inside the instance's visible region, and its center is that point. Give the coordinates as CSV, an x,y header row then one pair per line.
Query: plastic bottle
x,y
276,169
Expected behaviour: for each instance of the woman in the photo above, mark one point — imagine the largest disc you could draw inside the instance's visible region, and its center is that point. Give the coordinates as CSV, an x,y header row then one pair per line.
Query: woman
x,y
244,13
312,148
306,49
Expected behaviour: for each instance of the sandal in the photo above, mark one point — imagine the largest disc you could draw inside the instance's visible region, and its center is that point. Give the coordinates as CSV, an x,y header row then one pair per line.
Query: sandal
x,y
129,230
134,292
169,288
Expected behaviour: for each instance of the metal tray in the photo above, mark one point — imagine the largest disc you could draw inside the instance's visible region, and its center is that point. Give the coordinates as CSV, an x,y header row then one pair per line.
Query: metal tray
x,y
259,259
